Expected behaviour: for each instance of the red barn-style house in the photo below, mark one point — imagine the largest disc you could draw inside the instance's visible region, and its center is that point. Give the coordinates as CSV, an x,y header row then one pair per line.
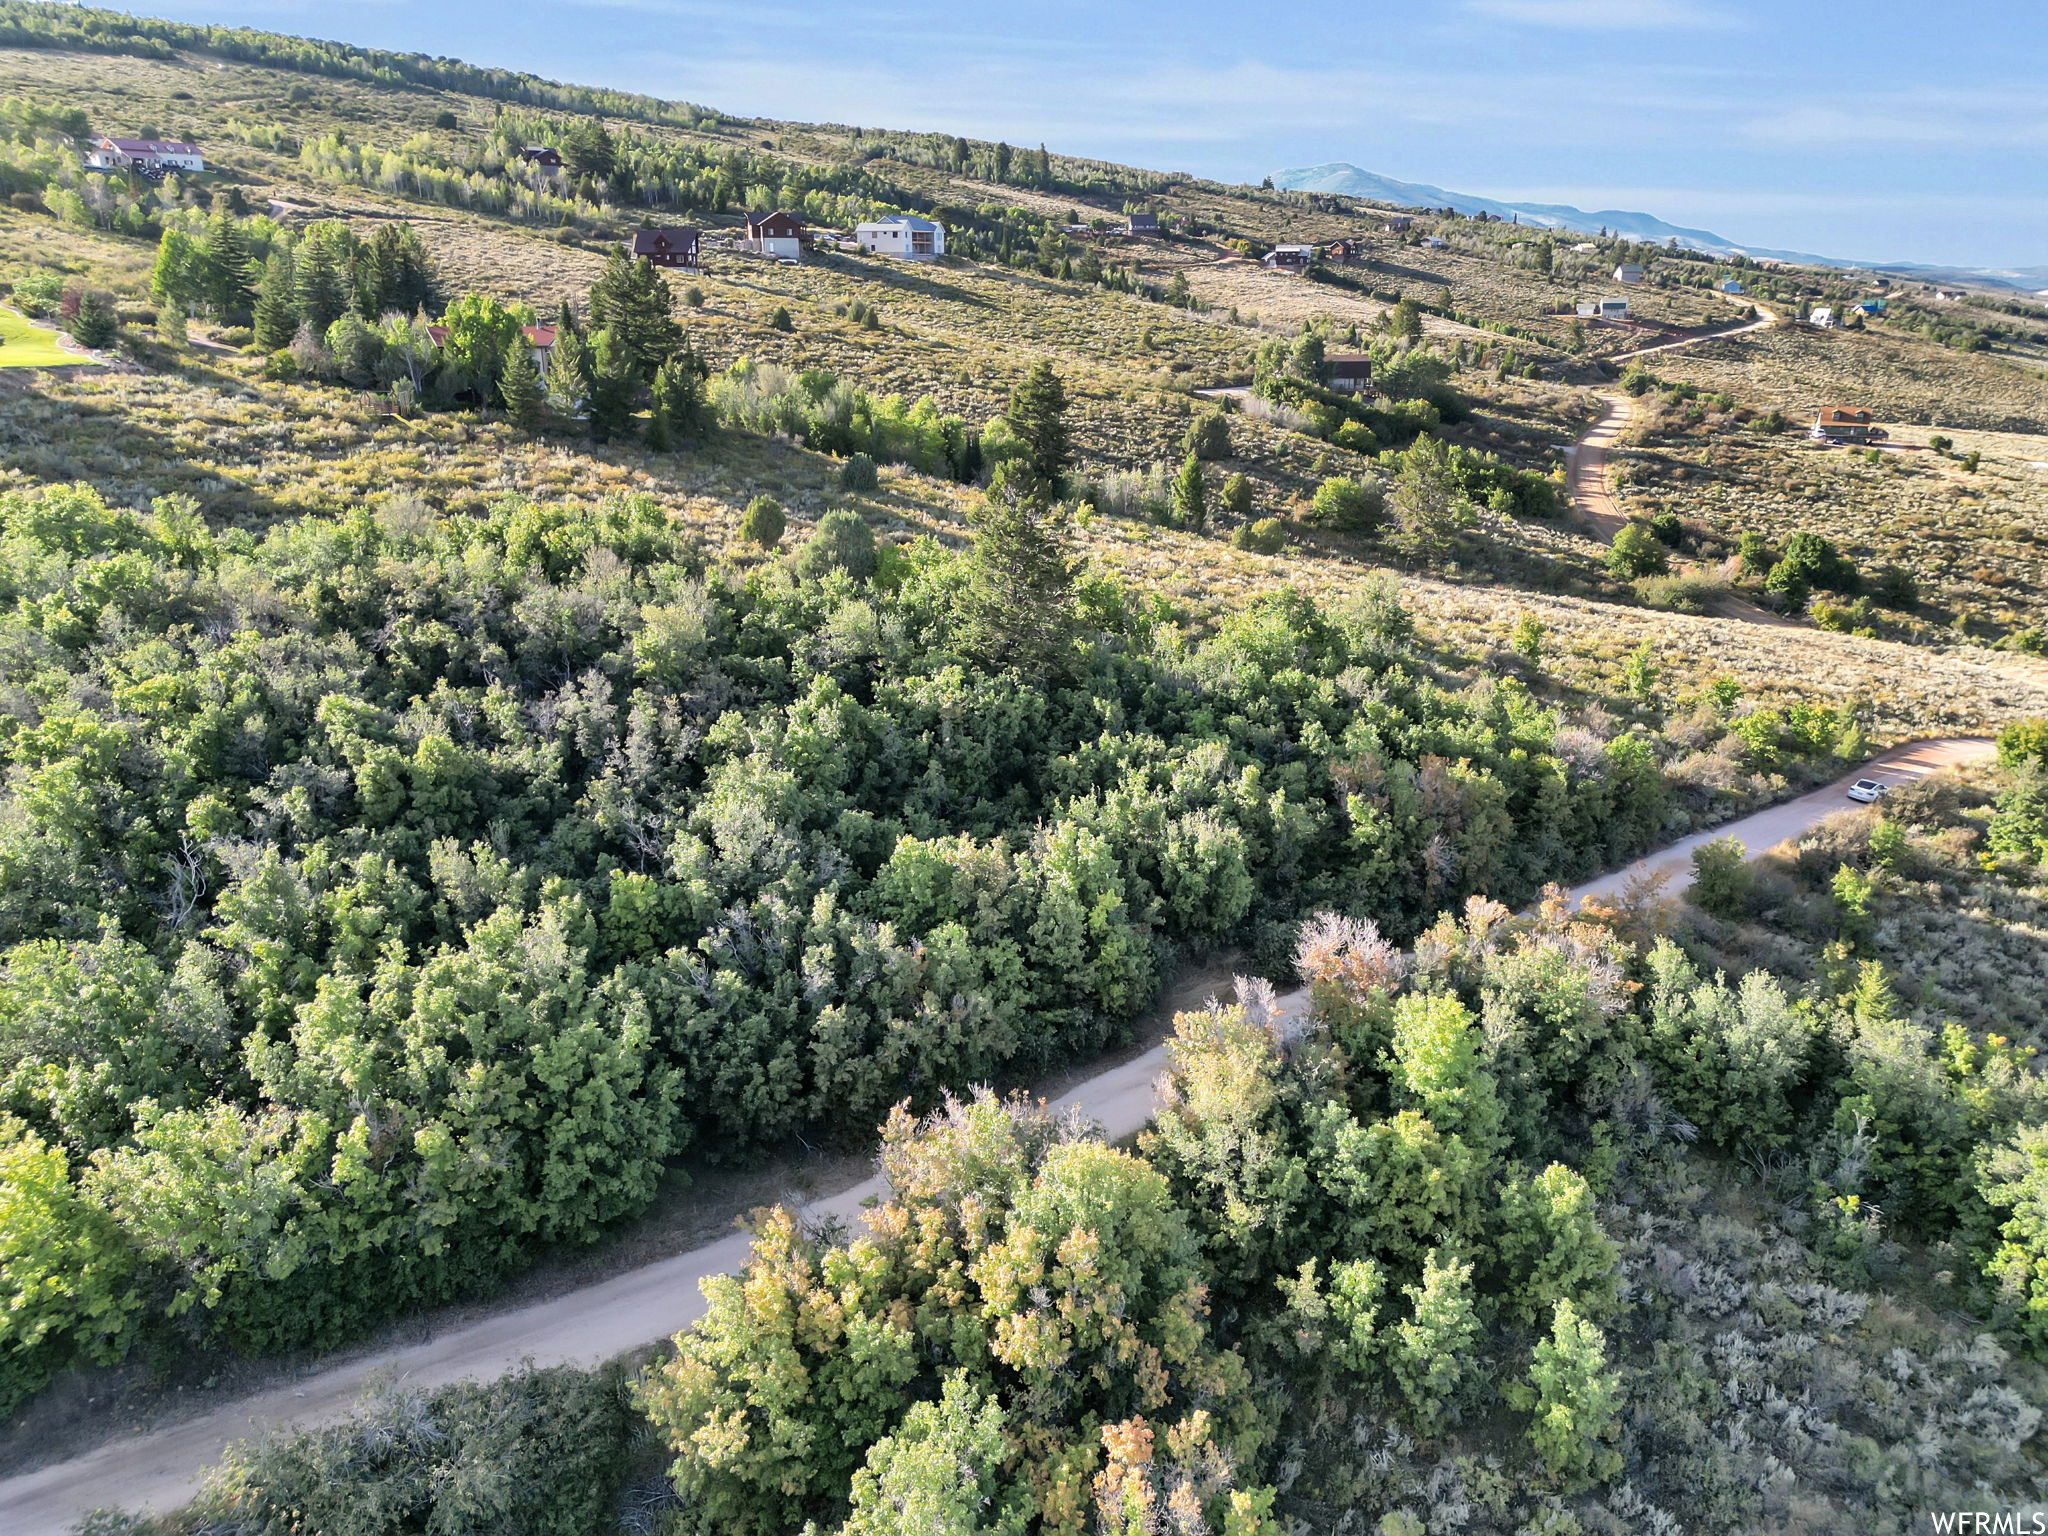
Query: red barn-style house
x,y
779,234
667,247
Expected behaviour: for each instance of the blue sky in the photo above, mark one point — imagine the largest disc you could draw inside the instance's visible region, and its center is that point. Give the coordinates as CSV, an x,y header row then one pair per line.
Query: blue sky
x,y
1885,131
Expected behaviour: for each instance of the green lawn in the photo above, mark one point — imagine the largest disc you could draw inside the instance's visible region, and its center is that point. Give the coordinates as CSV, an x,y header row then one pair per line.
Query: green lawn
x,y
30,346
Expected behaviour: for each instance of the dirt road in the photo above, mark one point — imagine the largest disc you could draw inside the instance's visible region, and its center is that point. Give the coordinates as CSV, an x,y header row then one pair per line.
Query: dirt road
x,y
1765,320
1592,493
1767,828
161,1470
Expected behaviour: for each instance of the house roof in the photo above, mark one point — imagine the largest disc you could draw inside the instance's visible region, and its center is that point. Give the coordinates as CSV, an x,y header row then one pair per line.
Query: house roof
x,y
1841,415
907,220
152,146
1349,362
648,242
1144,221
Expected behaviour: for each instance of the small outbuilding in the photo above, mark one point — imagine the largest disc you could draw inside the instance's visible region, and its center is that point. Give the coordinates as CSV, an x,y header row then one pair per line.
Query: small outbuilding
x,y
1628,272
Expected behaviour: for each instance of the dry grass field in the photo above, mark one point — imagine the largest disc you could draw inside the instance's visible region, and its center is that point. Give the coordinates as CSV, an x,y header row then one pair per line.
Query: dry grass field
x,y
1975,541
965,333
1903,378
252,459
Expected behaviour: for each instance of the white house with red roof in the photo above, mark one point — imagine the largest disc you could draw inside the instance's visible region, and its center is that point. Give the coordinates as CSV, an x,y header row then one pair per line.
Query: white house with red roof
x,y
150,156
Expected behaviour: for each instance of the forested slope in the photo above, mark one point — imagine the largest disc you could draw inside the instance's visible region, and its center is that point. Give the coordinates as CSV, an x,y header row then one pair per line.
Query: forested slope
x,y
441,800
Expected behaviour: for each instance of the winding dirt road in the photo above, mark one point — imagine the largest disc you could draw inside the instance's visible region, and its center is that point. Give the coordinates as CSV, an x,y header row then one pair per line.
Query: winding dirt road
x,y
1592,492
1589,487
1764,320
162,1469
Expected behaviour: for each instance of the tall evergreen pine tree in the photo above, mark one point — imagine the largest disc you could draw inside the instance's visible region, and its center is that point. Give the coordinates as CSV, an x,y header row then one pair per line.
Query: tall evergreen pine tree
x,y
633,302
1190,498
1016,611
232,268
277,305
614,382
323,282
519,385
1037,413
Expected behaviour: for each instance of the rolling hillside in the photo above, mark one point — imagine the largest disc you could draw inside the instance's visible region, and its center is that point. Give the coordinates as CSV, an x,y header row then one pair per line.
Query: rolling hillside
x,y
466,829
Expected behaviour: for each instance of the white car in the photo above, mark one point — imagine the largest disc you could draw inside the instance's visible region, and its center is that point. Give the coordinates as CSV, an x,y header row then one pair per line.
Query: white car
x,y
1868,790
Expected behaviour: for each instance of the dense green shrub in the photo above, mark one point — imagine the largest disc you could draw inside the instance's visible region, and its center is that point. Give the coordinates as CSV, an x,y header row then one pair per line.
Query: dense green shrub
x,y
830,415
763,522
1635,552
1208,435
842,541
1574,1398
1265,536
1723,882
536,1453
2023,742
858,474
1345,505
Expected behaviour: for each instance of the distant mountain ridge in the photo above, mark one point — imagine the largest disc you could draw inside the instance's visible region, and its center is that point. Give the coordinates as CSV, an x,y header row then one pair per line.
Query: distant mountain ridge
x,y
1346,180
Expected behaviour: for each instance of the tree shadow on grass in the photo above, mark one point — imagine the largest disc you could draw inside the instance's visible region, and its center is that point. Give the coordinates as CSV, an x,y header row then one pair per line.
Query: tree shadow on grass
x,y
1411,274
908,277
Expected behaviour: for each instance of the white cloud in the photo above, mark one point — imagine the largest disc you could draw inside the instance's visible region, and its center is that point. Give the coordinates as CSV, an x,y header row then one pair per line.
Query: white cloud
x,y
1607,15
1924,119
1105,103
